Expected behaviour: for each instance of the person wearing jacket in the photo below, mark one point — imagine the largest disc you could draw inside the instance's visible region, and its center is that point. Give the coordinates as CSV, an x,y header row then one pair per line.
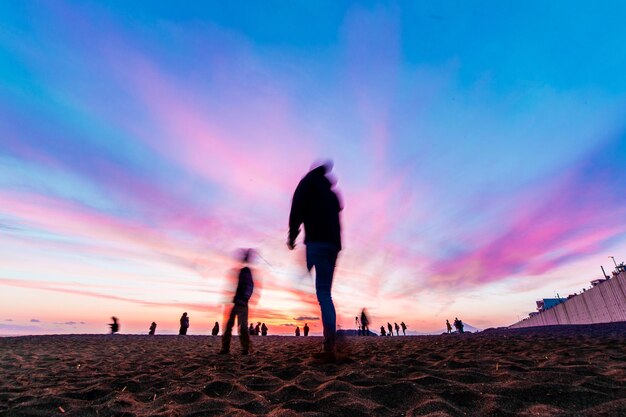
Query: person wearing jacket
x,y
245,287
316,205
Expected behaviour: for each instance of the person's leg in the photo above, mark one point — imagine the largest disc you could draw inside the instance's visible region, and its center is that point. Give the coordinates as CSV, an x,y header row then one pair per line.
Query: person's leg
x,y
323,258
228,330
244,334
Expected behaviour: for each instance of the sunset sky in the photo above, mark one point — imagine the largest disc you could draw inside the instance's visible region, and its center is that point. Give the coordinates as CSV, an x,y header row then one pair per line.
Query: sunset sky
x,y
479,150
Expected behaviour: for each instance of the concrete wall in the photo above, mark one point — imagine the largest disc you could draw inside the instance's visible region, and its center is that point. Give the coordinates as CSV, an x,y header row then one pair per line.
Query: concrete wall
x,y
604,303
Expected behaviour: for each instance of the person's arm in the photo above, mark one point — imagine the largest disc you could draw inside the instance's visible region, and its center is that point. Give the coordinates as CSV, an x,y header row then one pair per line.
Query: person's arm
x,y
296,216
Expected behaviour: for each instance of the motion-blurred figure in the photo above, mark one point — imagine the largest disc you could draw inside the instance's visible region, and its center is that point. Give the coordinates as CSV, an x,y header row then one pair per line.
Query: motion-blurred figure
x,y
115,326
316,205
245,287
357,324
152,328
403,328
184,324
397,328
382,331
390,327
264,330
297,331
306,329
448,326
365,323
216,329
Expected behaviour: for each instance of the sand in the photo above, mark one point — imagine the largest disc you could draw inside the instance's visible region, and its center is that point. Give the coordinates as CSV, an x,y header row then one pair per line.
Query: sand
x,y
568,371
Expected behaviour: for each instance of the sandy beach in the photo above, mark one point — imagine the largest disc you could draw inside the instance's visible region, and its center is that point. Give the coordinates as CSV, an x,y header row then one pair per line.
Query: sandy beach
x,y
558,371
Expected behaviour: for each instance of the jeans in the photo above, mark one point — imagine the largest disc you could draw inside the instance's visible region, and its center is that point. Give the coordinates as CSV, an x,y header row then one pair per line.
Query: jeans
x,y
323,257
241,312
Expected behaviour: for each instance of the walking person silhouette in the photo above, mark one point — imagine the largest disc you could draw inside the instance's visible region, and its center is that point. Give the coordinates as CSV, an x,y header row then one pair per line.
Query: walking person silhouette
x,y
184,324
316,205
245,287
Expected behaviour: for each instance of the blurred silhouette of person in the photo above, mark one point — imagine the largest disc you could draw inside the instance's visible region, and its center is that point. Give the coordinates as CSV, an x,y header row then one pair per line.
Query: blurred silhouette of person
x,y
448,326
316,205
251,329
461,326
390,327
245,287
397,328
216,329
115,326
184,324
264,330
257,329
297,331
365,323
382,331
152,328
357,323
306,329
403,328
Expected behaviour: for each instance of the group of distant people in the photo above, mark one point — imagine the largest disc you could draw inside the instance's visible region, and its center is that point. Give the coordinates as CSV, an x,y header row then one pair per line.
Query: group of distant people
x,y
458,325
259,329
390,328
305,329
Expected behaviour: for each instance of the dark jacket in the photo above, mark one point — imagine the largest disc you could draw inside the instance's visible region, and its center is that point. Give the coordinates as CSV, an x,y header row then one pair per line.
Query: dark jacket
x,y
317,206
245,287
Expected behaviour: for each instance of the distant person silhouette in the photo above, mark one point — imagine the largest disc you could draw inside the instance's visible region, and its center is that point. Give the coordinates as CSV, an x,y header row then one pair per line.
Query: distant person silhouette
x,y
456,323
184,324
403,328
152,328
390,327
365,323
297,331
358,325
382,331
264,330
397,328
257,329
115,326
306,329
316,205
245,287
461,326
216,329
448,326
251,329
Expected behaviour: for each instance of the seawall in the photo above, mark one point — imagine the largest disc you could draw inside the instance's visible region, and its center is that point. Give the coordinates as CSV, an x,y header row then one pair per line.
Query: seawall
x,y
604,303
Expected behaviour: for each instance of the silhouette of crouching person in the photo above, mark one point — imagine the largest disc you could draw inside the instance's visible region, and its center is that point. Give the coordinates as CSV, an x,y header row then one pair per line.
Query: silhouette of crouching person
x,y
245,287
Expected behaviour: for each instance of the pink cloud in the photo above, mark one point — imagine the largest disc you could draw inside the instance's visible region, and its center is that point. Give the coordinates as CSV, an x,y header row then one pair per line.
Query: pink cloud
x,y
570,217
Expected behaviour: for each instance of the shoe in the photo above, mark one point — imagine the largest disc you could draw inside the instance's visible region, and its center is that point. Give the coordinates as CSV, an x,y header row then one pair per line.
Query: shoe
x,y
224,352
